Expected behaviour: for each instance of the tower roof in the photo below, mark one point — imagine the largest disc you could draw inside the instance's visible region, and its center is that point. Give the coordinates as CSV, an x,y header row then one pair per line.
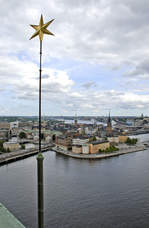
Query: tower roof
x,y
109,119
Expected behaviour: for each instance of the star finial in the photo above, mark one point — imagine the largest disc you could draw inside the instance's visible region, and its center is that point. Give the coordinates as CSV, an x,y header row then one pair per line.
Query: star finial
x,y
41,29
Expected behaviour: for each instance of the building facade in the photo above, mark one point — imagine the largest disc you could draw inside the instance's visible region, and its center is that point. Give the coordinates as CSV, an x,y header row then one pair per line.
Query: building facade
x,y
122,138
12,146
94,147
65,143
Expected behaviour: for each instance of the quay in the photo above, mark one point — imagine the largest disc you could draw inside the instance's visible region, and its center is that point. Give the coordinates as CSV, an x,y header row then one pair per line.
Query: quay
x,y
122,151
6,158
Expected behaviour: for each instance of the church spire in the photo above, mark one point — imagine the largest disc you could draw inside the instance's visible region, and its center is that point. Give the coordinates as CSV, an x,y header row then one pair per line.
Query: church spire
x,y
76,120
109,126
109,118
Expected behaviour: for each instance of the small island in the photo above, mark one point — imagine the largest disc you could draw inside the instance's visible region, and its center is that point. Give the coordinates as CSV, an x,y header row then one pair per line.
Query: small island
x,y
112,143
80,138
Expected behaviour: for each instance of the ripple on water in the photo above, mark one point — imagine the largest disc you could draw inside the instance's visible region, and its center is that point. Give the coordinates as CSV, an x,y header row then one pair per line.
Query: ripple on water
x,y
80,193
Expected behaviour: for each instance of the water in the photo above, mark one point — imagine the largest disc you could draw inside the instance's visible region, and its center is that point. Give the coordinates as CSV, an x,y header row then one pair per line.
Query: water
x,y
80,193
83,121
142,137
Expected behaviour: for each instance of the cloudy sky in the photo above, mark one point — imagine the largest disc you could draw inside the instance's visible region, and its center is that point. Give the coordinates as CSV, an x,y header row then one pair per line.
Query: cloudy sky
x,y
97,60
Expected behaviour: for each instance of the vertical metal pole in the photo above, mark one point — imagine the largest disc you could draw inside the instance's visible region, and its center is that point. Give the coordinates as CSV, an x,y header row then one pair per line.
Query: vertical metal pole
x,y
40,70
40,158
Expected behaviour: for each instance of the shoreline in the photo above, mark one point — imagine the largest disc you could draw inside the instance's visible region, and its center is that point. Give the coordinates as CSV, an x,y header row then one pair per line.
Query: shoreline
x,y
6,158
101,156
10,157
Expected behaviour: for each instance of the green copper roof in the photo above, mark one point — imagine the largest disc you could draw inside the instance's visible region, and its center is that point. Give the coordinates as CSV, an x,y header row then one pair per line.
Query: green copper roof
x,y
7,220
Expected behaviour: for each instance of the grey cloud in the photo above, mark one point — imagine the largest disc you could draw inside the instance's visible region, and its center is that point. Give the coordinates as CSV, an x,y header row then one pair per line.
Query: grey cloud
x,y
45,76
111,33
140,71
91,30
89,85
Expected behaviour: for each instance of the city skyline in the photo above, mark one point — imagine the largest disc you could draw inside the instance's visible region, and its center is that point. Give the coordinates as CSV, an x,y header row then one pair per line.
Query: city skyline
x,y
98,59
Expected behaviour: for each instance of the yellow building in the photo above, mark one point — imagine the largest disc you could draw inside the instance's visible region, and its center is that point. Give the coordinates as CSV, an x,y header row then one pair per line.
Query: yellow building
x,y
122,138
12,146
4,125
94,147
113,140
64,143
77,149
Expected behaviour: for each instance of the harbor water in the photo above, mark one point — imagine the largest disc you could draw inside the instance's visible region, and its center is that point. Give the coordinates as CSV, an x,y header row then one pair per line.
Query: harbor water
x,y
109,193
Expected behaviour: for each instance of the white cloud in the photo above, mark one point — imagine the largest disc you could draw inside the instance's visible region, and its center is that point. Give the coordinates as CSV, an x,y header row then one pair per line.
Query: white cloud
x,y
112,33
21,77
97,31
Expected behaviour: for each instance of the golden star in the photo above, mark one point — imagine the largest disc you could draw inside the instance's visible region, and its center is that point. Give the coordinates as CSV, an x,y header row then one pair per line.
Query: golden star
x,y
41,29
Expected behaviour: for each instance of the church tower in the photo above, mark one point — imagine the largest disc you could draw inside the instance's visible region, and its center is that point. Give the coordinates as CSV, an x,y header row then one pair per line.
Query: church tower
x,y
109,126
76,121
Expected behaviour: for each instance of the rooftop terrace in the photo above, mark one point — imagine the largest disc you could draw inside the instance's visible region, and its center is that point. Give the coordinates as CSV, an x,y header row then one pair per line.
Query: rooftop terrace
x,y
8,220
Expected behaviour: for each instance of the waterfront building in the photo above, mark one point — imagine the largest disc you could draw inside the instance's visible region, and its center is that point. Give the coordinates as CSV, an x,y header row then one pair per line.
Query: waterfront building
x,y
80,146
85,149
122,138
77,149
80,149
79,141
95,146
29,146
113,140
63,142
12,146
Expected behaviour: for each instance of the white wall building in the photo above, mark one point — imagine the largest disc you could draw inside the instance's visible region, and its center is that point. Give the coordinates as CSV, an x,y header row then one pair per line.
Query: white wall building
x,y
14,124
85,149
12,146
79,141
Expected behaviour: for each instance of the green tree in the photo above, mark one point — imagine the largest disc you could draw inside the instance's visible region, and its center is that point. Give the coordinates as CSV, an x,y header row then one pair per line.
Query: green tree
x,y
8,150
1,143
6,134
109,149
22,146
1,147
132,141
22,135
94,138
